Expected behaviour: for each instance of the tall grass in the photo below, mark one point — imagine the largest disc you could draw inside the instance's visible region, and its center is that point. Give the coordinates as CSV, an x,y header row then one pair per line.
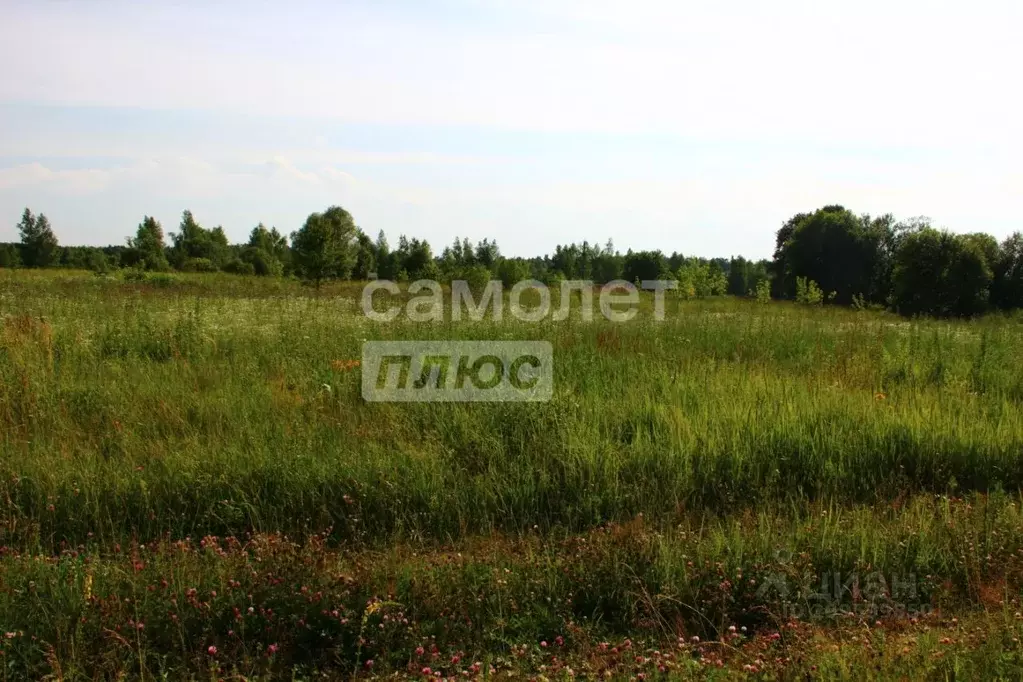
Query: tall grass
x,y
139,414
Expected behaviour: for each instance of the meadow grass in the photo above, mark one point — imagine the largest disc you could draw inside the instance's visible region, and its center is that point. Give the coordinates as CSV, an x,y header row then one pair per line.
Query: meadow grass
x,y
732,439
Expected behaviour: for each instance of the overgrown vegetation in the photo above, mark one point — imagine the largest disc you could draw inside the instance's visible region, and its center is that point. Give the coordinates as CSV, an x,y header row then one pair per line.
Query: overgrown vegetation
x,y
191,486
908,267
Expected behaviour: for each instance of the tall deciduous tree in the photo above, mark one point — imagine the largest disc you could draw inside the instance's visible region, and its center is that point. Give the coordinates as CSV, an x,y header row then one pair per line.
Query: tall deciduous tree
x,y
1007,288
640,266
196,248
148,247
267,251
842,252
940,273
39,247
327,245
10,255
385,259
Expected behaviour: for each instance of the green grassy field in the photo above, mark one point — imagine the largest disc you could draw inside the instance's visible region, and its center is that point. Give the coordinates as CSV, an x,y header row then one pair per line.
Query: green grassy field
x,y
191,487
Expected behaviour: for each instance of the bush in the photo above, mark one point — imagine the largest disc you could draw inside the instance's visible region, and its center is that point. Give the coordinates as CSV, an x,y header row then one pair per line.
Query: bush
x,y
240,267
133,275
477,277
198,265
807,292
763,292
139,276
554,279
161,279
99,263
10,256
263,263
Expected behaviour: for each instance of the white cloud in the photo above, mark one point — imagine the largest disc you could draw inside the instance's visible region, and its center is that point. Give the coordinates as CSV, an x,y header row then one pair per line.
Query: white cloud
x,y
905,107
282,167
926,72
67,181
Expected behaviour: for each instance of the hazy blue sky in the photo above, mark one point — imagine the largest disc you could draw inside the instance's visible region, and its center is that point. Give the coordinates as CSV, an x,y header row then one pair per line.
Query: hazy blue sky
x,y
690,126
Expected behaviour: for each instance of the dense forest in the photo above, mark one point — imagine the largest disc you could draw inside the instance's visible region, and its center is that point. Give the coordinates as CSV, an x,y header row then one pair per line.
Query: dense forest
x,y
831,255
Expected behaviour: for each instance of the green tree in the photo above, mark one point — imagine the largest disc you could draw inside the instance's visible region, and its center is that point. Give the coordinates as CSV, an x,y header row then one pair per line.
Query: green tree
x,y
267,252
10,256
414,259
219,249
39,247
365,258
607,264
487,254
327,246
271,241
785,284
643,265
699,279
739,279
565,261
511,271
385,259
940,273
842,252
261,262
148,247
807,292
190,243
1007,287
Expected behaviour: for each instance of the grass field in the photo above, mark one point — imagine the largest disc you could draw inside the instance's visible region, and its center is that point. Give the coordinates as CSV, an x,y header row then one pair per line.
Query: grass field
x,y
191,487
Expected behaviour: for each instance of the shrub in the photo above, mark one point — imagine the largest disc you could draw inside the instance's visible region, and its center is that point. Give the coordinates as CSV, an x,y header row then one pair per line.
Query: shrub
x,y
262,262
10,256
133,275
763,292
240,267
807,292
198,265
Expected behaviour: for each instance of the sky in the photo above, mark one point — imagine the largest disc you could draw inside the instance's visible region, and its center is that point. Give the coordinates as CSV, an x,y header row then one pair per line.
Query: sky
x,y
688,126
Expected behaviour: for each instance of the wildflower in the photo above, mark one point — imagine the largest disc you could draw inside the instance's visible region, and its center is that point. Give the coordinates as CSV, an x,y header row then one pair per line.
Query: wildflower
x,y
369,663
272,649
420,651
559,640
212,650
543,644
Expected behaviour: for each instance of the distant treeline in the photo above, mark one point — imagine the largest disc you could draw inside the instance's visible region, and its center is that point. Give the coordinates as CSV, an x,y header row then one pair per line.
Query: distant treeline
x,y
830,255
